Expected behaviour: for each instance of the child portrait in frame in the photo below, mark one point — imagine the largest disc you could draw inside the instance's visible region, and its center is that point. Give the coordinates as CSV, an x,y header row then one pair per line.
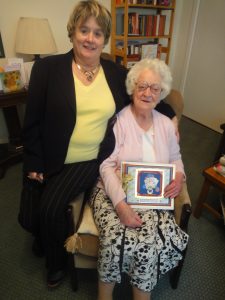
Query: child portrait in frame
x,y
2,53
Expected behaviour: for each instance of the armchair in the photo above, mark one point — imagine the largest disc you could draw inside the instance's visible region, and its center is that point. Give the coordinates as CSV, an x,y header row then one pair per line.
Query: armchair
x,y
83,244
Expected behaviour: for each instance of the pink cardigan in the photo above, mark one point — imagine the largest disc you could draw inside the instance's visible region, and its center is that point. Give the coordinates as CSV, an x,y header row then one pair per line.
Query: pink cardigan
x,y
128,147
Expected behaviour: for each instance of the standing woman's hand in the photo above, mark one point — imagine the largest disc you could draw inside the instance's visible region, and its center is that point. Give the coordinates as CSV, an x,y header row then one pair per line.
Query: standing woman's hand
x,y
36,176
174,188
127,215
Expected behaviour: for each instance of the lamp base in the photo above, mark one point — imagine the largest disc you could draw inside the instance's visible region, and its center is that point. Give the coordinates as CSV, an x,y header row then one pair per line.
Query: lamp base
x,y
36,57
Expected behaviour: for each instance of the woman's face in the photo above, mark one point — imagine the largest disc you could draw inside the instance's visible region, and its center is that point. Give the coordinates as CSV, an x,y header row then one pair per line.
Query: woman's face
x,y
147,91
88,41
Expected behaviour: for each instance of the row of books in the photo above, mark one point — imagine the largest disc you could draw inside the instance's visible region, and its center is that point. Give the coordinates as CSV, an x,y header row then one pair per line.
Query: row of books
x,y
146,25
139,50
152,2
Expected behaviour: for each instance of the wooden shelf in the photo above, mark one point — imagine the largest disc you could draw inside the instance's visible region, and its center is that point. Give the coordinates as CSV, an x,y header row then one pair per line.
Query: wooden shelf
x,y
126,38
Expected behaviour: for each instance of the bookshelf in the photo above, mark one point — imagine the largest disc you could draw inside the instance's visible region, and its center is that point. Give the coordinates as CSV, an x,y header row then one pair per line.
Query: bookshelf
x,y
141,28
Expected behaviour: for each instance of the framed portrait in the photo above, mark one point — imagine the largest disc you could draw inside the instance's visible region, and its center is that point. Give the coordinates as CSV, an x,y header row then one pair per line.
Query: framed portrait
x,y
144,184
2,53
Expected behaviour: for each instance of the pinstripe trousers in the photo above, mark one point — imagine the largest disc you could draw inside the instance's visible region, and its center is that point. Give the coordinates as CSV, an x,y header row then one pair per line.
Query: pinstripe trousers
x,y
60,190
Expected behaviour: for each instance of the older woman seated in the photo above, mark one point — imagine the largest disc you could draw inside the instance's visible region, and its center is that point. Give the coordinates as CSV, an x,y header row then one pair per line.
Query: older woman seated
x,y
144,243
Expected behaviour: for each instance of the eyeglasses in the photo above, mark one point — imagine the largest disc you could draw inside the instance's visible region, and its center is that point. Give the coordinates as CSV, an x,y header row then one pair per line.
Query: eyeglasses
x,y
154,88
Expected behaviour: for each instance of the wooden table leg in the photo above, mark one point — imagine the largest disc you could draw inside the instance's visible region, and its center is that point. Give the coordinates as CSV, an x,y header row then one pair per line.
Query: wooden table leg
x,y
202,198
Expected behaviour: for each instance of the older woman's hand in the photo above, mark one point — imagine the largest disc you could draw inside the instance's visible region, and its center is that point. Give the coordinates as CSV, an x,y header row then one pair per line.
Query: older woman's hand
x,y
173,189
127,215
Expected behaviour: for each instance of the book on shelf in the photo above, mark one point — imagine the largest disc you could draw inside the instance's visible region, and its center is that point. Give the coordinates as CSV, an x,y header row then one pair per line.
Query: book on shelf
x,y
161,26
136,57
119,1
145,25
134,47
133,23
164,2
132,1
137,50
144,184
149,50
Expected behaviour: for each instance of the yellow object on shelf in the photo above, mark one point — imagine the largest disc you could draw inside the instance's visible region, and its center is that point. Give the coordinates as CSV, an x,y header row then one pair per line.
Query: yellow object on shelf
x,y
11,81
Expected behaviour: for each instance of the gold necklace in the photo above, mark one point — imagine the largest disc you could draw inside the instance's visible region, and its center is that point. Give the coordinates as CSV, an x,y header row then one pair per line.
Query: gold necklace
x,y
89,74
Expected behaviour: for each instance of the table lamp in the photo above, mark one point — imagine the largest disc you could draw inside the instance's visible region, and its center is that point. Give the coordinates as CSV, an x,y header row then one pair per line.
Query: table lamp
x,y
34,36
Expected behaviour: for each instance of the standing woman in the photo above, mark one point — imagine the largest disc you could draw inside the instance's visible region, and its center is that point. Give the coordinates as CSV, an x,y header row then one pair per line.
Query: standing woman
x,y
67,133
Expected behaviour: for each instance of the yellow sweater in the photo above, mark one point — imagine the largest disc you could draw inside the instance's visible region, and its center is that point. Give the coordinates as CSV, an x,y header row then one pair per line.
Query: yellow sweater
x,y
94,105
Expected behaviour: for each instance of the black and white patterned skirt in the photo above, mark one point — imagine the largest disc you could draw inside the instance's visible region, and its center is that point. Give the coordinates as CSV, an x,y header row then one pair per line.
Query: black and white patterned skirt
x,y
143,253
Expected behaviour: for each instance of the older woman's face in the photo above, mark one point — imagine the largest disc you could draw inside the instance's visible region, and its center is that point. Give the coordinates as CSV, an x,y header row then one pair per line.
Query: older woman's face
x,y
147,90
88,41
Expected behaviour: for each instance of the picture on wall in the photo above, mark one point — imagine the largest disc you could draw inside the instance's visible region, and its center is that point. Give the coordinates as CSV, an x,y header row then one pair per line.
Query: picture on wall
x,y
2,53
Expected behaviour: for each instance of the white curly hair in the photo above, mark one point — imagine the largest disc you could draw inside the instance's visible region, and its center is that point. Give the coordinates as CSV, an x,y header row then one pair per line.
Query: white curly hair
x,y
155,65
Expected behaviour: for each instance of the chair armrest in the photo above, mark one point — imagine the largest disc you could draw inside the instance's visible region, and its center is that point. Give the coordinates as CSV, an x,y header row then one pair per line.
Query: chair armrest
x,y
175,100
185,215
182,210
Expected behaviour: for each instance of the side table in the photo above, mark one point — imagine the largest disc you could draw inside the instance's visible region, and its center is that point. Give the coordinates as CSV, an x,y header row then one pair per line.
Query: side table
x,y
8,104
212,178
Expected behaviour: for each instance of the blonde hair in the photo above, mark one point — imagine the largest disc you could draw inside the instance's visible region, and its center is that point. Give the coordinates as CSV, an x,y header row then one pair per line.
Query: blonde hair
x,y
86,9
155,65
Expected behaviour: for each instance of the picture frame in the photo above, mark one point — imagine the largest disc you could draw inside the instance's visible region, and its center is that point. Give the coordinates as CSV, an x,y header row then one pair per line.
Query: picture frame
x,y
2,52
11,81
144,184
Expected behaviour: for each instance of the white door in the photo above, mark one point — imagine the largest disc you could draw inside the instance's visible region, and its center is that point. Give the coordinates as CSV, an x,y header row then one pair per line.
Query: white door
x,y
204,86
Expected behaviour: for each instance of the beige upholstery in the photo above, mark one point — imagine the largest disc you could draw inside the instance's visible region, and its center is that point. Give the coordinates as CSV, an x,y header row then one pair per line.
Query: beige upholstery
x,y
175,100
86,239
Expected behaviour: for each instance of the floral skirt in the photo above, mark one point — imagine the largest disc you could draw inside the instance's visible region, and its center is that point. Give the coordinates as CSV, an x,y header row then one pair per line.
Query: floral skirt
x,y
143,253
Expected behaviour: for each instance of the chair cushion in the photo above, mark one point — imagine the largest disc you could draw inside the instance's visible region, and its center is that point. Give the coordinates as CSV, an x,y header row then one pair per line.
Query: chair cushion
x,y
85,240
87,225
88,234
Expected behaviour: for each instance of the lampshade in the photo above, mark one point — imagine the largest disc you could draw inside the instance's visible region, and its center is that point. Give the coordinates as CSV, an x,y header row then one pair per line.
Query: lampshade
x,y
34,36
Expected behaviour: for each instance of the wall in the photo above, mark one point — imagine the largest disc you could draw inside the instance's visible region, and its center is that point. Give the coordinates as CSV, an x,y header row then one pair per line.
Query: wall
x,y
204,88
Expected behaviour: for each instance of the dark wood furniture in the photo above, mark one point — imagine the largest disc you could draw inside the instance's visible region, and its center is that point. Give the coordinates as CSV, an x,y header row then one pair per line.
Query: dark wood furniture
x,y
14,151
212,178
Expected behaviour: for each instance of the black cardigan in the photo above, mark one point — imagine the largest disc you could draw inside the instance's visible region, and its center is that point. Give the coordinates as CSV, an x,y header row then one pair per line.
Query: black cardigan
x,y
51,112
